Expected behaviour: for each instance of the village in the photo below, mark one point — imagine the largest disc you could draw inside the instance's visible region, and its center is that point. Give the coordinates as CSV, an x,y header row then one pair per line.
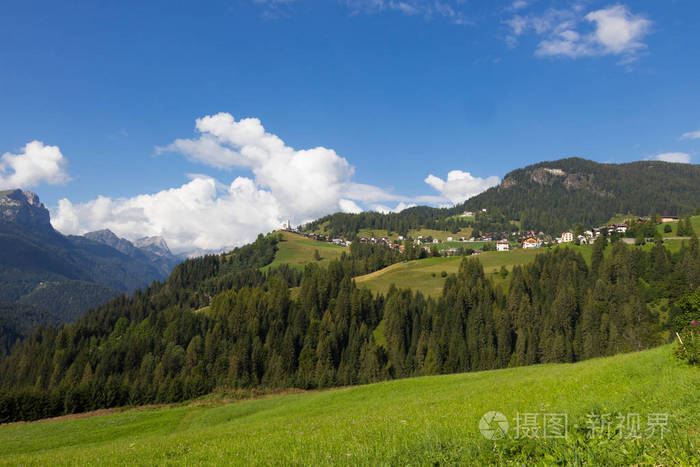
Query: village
x,y
454,245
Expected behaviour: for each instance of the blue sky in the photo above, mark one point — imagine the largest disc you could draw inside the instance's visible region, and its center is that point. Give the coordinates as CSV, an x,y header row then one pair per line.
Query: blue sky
x,y
392,91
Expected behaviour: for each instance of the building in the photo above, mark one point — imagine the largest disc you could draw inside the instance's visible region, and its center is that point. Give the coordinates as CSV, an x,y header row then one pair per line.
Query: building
x,y
567,237
502,245
531,243
669,219
449,239
468,214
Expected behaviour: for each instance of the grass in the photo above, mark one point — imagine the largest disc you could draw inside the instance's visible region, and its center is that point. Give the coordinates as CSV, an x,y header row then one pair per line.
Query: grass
x,y
425,274
297,250
418,421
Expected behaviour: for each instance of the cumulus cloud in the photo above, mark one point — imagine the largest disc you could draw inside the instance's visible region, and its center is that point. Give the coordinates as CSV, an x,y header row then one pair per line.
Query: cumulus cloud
x,y
307,183
691,135
614,30
35,164
201,214
387,210
460,185
680,157
204,214
285,183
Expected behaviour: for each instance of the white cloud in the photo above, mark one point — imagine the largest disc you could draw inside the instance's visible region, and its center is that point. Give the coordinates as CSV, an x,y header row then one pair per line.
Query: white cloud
x,y
614,30
518,4
36,163
200,214
386,209
204,214
460,186
349,206
286,183
691,135
307,183
680,157
452,10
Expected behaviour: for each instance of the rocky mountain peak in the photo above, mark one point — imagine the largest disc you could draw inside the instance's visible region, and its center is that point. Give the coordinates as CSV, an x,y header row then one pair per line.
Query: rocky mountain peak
x,y
156,245
24,208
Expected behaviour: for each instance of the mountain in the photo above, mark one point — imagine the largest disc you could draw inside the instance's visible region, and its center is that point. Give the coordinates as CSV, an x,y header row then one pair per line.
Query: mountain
x,y
63,276
150,250
548,196
555,196
155,245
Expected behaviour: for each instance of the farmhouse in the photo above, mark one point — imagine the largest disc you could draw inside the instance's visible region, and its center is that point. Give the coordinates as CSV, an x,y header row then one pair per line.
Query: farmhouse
x,y
531,243
502,245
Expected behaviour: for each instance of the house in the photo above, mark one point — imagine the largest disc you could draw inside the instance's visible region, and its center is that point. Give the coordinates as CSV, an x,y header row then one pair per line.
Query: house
x,y
531,243
468,214
567,237
400,238
461,239
449,239
435,240
665,219
582,240
477,252
621,228
502,245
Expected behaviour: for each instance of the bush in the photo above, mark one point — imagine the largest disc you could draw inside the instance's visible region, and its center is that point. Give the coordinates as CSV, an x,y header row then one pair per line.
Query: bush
x,y
667,228
688,346
443,274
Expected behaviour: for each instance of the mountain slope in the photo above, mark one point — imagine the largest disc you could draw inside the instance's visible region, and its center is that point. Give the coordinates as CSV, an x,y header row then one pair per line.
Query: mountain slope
x,y
417,421
554,196
549,196
65,275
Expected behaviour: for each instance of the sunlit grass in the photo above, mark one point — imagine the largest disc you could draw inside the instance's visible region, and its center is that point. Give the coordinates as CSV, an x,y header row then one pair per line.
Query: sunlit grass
x,y
414,421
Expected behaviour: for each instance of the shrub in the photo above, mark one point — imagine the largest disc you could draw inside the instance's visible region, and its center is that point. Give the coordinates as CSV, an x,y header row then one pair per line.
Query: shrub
x,y
443,274
688,346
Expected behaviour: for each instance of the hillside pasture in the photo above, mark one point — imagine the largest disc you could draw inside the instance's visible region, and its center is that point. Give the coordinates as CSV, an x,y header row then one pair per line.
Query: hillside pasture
x,y
297,250
418,421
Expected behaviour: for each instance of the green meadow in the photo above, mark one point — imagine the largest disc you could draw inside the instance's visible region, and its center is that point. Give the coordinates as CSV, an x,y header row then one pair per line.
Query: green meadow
x,y
297,250
426,274
418,421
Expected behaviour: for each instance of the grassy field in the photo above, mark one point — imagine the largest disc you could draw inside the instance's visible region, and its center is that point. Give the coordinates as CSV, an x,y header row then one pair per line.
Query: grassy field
x,y
694,220
426,274
298,250
419,421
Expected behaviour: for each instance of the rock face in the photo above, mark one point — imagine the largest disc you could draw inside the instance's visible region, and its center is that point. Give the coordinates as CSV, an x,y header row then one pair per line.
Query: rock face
x,y
23,208
109,238
155,245
151,250
65,275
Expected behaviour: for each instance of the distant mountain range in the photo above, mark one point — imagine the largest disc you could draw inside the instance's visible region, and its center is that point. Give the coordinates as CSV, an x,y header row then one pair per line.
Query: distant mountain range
x,y
58,277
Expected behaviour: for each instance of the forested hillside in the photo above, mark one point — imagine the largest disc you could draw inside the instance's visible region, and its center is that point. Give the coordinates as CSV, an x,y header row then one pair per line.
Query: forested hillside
x,y
550,196
62,276
220,322
555,196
